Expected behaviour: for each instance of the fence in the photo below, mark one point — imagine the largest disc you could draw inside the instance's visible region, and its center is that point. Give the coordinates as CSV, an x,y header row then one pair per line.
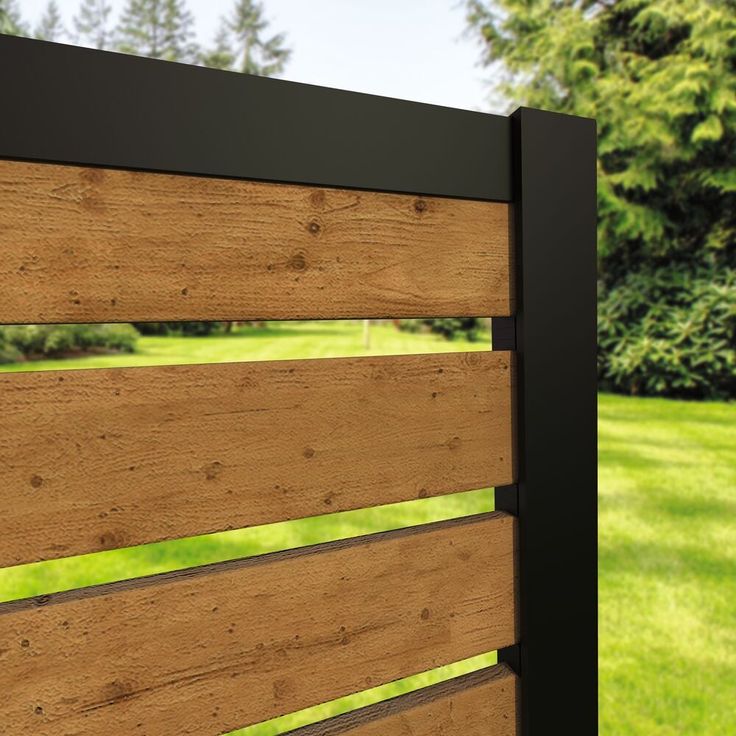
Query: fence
x,y
136,190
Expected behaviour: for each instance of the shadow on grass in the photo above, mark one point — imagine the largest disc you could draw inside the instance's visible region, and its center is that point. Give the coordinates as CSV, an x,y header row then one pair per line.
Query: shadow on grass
x,y
706,509
633,455
666,561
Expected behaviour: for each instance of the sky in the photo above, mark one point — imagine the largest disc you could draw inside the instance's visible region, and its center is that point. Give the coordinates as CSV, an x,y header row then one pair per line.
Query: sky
x,y
412,49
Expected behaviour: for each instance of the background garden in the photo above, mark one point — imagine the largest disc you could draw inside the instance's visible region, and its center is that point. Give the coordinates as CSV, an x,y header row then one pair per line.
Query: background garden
x,y
660,78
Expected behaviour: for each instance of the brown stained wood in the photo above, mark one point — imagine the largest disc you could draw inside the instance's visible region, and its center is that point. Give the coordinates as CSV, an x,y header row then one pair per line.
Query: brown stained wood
x,y
483,703
209,650
104,245
96,460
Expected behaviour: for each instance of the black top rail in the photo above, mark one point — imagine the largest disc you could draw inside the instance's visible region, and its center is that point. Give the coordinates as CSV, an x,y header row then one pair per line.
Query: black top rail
x,y
79,106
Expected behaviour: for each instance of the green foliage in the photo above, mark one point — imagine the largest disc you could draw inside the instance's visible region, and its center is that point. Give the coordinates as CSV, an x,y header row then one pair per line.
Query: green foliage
x,y
158,29
242,43
184,329
51,26
660,78
10,20
221,56
9,353
164,29
468,328
38,341
92,23
669,332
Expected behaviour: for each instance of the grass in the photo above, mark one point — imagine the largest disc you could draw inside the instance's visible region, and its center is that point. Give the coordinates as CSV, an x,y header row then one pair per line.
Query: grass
x,y
667,530
667,562
277,341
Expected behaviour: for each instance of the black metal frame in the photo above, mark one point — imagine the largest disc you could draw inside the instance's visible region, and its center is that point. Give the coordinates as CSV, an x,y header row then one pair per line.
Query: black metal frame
x,y
75,105
151,115
554,184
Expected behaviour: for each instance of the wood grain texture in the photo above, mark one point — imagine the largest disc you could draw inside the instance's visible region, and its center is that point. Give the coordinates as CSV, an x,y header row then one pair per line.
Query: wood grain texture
x,y
208,650
104,245
96,460
483,703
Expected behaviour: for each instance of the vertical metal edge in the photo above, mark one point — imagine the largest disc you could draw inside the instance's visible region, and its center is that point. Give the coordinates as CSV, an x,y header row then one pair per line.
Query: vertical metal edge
x,y
554,203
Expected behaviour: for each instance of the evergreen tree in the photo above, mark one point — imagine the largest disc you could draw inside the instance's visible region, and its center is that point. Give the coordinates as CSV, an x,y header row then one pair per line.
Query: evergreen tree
x,y
10,20
51,26
92,23
159,29
660,78
221,56
243,32
179,32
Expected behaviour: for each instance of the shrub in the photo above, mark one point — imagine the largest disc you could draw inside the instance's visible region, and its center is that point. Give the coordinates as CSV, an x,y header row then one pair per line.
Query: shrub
x,y
659,76
9,353
186,329
411,325
53,341
449,328
669,332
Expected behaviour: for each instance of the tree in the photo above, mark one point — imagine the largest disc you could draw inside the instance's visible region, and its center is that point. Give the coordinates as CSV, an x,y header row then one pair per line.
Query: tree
x,y
51,26
92,23
222,55
660,78
159,29
10,20
179,32
241,44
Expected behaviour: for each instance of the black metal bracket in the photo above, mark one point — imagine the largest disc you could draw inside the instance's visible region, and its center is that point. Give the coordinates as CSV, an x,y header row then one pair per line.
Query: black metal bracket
x,y
512,657
507,499
503,333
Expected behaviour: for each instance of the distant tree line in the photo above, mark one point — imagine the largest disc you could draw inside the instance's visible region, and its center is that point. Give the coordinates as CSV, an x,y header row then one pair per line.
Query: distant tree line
x,y
161,29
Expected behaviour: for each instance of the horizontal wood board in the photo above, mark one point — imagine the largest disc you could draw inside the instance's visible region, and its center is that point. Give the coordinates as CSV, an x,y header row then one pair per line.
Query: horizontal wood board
x,y
105,245
103,459
482,703
209,650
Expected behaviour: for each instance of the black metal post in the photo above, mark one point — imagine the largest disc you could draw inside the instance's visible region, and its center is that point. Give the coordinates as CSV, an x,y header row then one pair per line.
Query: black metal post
x,y
554,183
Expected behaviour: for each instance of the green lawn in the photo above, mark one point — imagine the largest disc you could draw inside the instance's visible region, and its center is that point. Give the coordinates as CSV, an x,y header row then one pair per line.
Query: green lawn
x,y
667,539
667,561
276,341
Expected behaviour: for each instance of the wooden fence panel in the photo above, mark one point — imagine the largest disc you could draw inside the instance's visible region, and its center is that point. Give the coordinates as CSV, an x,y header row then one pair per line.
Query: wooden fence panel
x,y
208,650
96,460
483,703
104,245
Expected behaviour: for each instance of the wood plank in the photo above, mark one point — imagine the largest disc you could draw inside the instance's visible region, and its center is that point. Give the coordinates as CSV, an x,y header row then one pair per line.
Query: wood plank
x,y
483,703
208,650
104,245
96,460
